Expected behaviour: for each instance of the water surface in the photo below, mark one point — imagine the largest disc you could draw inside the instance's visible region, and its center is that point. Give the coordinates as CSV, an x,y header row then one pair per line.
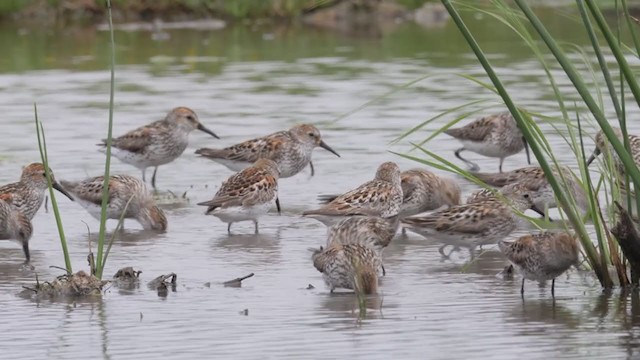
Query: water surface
x,y
248,81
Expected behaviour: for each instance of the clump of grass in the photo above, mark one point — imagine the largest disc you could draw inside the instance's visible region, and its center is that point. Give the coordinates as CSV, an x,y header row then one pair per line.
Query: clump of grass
x,y
526,25
97,266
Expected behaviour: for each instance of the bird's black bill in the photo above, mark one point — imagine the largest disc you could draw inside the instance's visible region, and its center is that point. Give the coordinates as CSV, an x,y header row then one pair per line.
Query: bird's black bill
x,y
278,206
526,149
593,156
62,190
540,212
328,148
204,129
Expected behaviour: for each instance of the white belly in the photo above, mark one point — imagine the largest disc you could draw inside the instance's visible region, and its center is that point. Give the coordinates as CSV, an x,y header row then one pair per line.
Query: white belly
x,y
241,213
233,165
485,148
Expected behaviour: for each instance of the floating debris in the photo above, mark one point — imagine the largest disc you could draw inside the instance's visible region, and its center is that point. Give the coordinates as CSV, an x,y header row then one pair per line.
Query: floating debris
x,y
127,273
127,277
506,273
160,284
310,287
237,282
68,285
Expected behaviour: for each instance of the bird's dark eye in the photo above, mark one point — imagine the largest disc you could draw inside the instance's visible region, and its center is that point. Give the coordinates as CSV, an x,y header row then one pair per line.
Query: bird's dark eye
x,y
312,134
44,174
526,196
190,118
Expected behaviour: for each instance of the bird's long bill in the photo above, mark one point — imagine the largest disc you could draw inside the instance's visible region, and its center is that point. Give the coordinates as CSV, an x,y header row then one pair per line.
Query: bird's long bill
x,y
526,149
204,129
328,148
278,206
59,187
540,212
593,156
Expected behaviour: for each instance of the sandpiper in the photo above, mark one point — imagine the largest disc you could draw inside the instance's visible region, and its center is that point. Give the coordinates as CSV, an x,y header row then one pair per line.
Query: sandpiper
x,y
290,149
426,191
142,206
351,266
543,256
478,223
536,183
14,225
371,231
381,196
157,143
27,195
493,136
246,195
422,191
602,145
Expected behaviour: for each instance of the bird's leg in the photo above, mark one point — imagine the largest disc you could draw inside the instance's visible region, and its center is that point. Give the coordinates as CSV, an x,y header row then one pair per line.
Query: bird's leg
x,y
471,164
229,228
500,167
313,171
144,175
553,286
384,272
255,222
522,288
153,178
25,249
278,205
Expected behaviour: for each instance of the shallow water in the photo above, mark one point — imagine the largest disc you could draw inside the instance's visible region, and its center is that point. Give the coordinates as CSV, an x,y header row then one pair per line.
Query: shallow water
x,y
245,82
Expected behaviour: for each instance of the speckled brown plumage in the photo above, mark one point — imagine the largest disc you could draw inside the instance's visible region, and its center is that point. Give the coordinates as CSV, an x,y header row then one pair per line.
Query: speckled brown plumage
x,y
27,195
350,266
143,208
535,181
246,195
495,135
290,149
478,223
542,256
379,197
14,225
157,143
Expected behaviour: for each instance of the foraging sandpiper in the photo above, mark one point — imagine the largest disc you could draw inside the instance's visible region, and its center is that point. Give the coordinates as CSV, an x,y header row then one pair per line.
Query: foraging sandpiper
x,y
290,149
381,197
246,195
27,195
14,225
493,136
543,256
123,190
422,191
536,183
351,266
602,145
371,231
157,143
478,223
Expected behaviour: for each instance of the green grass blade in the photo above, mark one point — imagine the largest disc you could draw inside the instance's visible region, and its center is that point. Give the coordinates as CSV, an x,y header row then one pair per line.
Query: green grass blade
x,y
118,227
535,149
601,61
107,164
44,156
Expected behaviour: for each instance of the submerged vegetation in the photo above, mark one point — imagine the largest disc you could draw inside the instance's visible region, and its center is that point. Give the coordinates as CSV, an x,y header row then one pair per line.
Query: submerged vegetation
x,y
619,170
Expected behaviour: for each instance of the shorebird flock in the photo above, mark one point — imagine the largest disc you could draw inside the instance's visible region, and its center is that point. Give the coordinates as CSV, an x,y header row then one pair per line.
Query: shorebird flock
x,y
361,222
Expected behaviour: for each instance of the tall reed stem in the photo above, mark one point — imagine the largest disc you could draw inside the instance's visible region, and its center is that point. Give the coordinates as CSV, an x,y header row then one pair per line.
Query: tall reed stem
x,y
107,164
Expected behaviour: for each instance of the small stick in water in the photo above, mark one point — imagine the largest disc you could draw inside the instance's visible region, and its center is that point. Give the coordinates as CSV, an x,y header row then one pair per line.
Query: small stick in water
x,y
237,282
